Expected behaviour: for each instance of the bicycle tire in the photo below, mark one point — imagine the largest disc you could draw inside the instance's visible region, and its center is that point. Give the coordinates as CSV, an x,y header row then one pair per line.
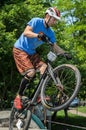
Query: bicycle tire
x,y
61,100
38,122
29,123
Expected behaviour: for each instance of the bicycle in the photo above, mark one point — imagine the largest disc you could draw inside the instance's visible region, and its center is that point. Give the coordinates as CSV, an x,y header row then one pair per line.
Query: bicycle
x,y
60,85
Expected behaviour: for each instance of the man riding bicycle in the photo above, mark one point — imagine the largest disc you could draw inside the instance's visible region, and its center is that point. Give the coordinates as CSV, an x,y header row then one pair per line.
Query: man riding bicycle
x,y
26,58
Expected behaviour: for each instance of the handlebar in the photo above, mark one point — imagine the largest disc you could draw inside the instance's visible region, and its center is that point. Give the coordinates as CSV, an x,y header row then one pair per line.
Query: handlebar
x,y
65,55
48,41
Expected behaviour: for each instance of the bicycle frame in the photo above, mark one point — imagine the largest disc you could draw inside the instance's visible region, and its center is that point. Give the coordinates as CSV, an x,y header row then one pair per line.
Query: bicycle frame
x,y
51,75
48,70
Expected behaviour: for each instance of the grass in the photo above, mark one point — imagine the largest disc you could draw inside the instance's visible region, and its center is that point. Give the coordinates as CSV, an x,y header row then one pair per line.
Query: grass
x,y
82,109
73,119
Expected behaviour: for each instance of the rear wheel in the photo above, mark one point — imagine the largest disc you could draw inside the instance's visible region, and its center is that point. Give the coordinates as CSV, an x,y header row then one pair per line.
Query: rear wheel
x,y
37,123
68,76
23,120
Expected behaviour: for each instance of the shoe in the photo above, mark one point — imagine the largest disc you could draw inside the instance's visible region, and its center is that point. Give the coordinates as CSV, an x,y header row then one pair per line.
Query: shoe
x,y
18,103
39,99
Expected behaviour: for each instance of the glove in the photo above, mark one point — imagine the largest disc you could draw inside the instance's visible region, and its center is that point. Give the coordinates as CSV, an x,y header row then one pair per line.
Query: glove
x,y
67,56
43,37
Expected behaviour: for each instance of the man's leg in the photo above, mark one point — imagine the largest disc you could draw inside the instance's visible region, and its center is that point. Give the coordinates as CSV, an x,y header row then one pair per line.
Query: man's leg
x,y
27,78
42,68
23,63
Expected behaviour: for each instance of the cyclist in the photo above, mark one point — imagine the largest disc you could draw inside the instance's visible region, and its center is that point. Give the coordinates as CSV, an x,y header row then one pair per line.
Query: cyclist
x,y
24,51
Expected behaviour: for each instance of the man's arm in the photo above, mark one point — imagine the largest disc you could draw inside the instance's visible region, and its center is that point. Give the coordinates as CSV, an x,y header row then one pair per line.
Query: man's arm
x,y
58,49
28,32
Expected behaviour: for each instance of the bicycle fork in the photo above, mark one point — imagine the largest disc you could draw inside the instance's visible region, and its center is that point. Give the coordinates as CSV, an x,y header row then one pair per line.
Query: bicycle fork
x,y
56,80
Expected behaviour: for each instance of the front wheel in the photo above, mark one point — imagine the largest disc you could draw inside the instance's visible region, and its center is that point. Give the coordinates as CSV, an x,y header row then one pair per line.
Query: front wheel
x,y
68,76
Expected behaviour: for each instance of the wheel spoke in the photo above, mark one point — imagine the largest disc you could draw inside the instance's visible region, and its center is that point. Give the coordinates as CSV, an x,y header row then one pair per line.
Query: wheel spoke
x,y
68,78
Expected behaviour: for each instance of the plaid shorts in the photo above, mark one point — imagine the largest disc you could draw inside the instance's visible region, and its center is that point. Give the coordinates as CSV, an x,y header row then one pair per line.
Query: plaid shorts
x,y
24,62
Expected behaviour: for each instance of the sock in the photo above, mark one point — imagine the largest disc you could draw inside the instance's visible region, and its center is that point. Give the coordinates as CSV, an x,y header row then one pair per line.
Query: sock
x,y
22,87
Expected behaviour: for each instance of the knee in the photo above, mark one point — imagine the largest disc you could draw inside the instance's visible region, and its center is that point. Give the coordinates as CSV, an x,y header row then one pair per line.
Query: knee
x,y
31,73
42,68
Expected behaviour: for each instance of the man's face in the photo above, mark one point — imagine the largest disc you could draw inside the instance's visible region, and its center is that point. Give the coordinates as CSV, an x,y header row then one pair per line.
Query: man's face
x,y
52,21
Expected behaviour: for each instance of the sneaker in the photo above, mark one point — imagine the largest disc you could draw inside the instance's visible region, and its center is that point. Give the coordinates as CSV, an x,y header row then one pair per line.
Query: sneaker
x,y
39,99
18,103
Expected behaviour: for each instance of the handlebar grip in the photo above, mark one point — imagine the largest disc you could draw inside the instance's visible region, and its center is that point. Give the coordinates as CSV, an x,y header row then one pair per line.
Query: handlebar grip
x,y
49,42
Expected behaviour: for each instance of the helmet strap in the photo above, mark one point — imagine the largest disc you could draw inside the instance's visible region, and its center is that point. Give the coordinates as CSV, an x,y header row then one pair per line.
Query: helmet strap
x,y
46,23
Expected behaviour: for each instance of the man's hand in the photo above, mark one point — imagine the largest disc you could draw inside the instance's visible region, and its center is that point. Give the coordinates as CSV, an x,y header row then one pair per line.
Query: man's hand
x,y
43,37
67,56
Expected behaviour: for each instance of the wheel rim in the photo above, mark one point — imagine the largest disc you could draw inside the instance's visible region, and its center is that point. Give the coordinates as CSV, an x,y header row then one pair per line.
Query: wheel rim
x,y
70,81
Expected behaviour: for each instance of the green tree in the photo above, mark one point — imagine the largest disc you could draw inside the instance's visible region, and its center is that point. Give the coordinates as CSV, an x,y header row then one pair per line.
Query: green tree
x,y
73,36
13,18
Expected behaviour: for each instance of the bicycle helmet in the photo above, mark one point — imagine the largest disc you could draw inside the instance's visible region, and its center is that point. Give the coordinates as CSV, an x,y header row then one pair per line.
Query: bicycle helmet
x,y
53,12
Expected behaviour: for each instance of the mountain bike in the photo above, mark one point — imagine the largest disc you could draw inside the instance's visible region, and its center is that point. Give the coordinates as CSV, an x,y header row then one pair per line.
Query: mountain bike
x,y
57,88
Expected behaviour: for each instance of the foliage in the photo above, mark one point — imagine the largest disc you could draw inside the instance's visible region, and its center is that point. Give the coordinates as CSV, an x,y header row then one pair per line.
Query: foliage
x,y
70,34
73,36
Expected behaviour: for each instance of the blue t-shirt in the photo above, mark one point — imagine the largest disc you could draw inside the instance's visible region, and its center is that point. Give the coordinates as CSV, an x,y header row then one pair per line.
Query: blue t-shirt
x,y
29,45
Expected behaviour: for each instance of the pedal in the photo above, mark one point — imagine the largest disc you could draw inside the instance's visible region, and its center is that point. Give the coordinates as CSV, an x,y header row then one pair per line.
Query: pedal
x,y
19,124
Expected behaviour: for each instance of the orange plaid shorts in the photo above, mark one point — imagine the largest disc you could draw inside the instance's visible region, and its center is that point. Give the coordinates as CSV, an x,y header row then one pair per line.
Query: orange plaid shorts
x,y
24,62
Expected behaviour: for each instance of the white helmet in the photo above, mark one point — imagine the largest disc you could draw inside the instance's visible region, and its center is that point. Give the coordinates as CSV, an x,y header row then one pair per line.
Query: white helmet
x,y
53,12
